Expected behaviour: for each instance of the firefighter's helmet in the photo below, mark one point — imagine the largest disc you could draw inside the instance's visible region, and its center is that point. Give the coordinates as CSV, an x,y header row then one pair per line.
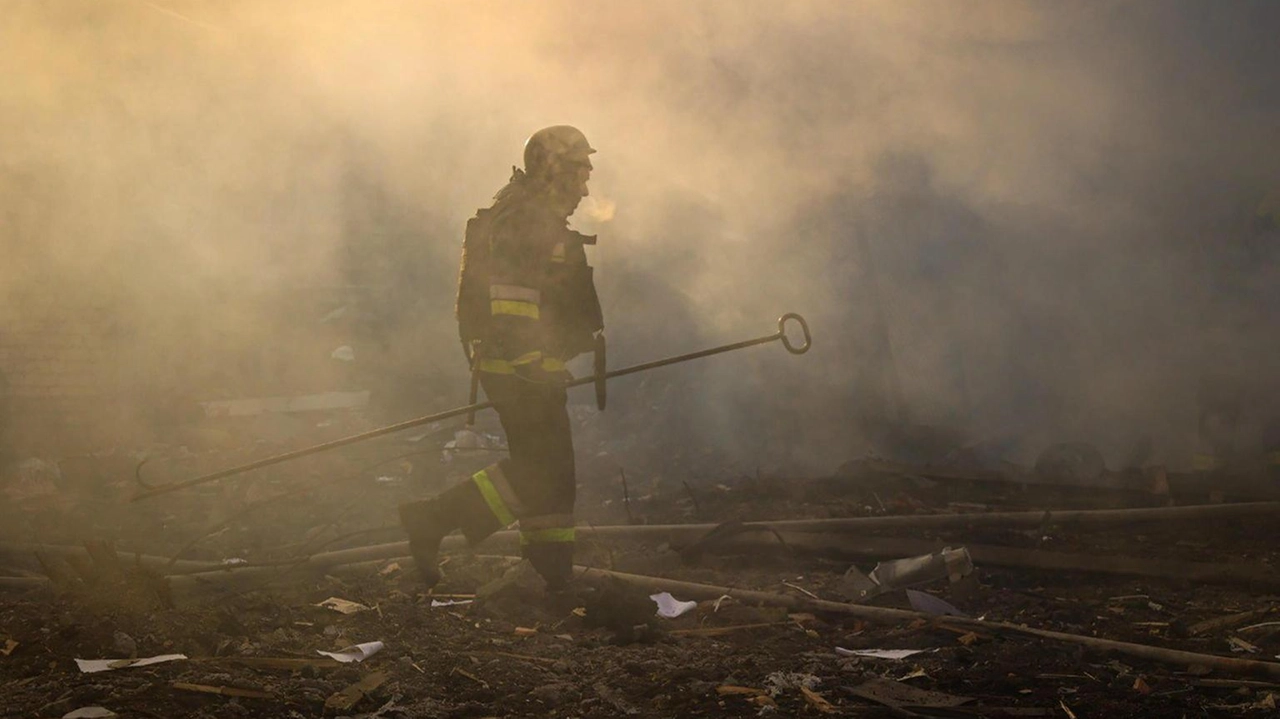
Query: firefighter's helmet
x,y
554,149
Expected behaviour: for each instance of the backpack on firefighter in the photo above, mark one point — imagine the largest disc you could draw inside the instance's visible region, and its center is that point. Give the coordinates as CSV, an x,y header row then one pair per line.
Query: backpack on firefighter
x,y
578,307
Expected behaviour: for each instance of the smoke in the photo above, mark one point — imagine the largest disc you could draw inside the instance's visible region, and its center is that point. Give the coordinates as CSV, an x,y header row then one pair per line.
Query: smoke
x,y
1001,218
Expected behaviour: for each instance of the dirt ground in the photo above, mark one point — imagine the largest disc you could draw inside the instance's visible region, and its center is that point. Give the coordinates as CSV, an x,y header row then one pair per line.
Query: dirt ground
x,y
251,648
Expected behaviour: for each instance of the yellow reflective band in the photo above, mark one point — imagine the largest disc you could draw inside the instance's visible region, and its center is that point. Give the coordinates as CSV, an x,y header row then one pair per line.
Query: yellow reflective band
x,y
491,497
514,292
1204,462
527,358
514,307
496,366
500,366
547,536
499,481
557,252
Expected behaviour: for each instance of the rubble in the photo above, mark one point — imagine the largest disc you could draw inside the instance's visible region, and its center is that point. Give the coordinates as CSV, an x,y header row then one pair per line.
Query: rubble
x,y
1056,591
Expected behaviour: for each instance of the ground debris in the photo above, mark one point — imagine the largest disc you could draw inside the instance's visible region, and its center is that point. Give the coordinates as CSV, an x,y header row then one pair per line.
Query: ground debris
x,y
897,694
465,661
351,695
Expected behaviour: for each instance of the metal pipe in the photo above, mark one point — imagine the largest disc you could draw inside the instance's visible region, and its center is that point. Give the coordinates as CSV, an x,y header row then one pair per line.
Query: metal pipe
x,y
780,335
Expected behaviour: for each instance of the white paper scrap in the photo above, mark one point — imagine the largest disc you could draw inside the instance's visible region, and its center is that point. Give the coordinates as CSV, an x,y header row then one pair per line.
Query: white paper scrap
x,y
91,666
880,653
670,607
90,713
354,653
344,606
450,602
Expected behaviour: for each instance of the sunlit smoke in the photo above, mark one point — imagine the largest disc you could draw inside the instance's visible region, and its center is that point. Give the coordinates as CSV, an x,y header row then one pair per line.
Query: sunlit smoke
x,y
597,210
996,215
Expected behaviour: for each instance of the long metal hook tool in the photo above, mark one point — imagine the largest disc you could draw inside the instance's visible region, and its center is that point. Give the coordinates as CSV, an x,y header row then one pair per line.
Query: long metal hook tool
x,y
779,336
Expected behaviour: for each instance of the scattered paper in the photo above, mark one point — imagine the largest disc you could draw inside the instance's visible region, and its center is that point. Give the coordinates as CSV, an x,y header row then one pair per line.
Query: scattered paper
x,y
880,653
355,652
9,646
391,568
670,607
929,604
90,713
450,602
948,563
343,606
91,666
233,561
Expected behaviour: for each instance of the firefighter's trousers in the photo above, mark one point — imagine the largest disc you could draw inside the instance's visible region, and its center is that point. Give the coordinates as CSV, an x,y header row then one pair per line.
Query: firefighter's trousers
x,y
535,486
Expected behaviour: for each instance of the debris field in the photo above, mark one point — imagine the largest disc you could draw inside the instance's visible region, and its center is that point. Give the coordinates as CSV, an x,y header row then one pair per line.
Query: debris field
x,y
1052,602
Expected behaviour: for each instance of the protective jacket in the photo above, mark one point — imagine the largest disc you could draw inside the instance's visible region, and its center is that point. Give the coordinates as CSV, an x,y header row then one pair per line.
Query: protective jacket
x,y
526,297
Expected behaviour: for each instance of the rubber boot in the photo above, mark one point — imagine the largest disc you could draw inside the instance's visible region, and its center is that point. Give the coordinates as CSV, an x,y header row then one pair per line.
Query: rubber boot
x,y
426,526
554,563
428,521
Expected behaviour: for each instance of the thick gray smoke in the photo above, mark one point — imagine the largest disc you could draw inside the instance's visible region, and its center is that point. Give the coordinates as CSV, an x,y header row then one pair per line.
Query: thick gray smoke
x,y
1003,219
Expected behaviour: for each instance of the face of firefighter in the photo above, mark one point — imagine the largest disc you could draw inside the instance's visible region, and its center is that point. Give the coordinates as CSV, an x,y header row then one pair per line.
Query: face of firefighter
x,y
569,184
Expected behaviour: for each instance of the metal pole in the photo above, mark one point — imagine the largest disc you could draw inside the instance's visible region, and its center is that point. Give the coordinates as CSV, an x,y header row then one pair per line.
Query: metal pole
x,y
780,335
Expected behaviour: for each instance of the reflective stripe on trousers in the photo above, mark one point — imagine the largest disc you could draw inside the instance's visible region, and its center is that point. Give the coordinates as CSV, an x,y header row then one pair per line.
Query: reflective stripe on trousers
x,y
497,493
546,529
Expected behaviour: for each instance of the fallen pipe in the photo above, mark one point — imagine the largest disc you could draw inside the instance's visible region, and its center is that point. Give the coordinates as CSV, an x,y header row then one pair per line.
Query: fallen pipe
x,y
684,533
1091,517
1256,575
26,551
1253,575
1178,657
680,534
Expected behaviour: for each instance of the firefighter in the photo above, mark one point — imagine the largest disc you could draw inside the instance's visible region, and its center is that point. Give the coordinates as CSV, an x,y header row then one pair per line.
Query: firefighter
x,y
526,305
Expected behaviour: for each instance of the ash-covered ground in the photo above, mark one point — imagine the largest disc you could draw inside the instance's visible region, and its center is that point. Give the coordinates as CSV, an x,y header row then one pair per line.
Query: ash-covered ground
x,y
488,643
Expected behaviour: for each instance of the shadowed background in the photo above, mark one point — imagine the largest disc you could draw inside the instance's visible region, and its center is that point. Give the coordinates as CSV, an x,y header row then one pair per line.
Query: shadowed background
x,y
1005,221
